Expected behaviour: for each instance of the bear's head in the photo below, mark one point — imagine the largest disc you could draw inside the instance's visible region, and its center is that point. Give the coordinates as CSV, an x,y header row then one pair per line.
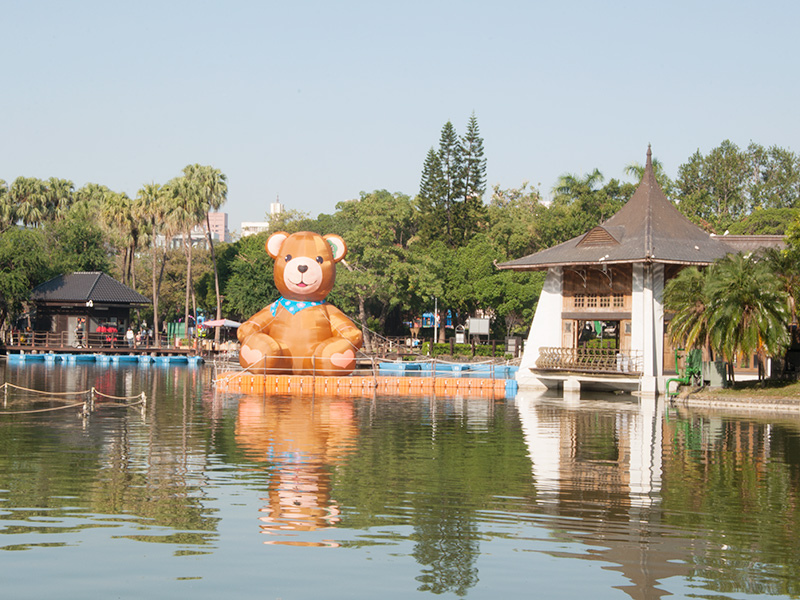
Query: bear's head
x,y
305,263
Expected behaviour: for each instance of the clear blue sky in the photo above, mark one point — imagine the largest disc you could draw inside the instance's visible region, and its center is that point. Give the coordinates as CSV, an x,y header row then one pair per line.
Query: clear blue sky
x,y
317,101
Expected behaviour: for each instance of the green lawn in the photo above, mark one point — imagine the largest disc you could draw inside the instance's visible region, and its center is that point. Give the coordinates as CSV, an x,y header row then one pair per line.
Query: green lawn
x,y
754,390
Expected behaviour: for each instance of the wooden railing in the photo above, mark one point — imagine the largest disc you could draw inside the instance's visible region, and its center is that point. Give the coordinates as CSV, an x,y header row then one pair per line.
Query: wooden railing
x,y
63,339
590,360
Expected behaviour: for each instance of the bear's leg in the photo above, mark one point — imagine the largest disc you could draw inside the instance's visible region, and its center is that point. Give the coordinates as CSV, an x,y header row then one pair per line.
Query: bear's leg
x,y
262,354
335,356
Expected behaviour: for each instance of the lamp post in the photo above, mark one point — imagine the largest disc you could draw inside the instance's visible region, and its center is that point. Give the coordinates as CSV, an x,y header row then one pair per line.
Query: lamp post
x,y
435,320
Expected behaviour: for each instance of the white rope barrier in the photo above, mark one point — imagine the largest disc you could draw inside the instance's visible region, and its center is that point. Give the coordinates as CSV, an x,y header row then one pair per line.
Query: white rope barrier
x,y
88,404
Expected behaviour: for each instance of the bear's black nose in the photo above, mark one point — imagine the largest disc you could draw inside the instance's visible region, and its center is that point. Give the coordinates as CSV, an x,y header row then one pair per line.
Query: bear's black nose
x,y
302,268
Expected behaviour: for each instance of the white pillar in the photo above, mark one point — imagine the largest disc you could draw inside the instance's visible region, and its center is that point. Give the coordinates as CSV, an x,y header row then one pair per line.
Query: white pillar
x,y
545,329
647,322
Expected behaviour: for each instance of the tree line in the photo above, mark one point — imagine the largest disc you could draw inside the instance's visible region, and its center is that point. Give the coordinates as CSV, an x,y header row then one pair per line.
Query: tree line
x,y
47,228
406,253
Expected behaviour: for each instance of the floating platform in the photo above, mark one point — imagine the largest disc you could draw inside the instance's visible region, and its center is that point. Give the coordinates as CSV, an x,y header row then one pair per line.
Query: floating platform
x,y
104,359
247,383
429,369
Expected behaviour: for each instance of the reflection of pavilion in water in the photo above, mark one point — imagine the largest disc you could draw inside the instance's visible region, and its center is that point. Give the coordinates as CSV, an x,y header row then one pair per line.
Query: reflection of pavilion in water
x,y
302,439
610,460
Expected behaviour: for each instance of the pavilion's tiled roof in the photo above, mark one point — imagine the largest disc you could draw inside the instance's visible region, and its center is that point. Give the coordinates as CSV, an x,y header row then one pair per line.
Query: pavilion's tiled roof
x,y
647,229
85,286
754,243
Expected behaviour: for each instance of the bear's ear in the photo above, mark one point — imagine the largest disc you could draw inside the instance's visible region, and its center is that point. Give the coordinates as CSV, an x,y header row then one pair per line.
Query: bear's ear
x,y
338,246
274,242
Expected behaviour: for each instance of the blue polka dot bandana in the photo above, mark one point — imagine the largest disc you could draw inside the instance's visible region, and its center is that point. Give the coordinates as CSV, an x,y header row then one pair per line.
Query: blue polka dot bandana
x,y
294,306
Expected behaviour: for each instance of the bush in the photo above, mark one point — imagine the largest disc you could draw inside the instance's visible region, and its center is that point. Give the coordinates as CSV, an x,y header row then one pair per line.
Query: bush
x,y
463,350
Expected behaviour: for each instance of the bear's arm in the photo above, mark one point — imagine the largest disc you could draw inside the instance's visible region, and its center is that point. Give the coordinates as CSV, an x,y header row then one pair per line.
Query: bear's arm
x,y
342,326
258,323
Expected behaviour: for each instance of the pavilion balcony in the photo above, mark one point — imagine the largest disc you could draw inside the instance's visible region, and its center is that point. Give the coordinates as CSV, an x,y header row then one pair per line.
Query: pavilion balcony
x,y
590,360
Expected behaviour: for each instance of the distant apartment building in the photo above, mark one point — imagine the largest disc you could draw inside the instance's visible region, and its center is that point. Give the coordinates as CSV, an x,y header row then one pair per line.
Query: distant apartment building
x,y
254,227
275,208
218,223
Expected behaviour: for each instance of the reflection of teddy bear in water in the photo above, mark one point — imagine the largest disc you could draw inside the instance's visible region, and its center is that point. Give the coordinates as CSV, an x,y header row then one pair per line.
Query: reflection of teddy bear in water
x,y
300,333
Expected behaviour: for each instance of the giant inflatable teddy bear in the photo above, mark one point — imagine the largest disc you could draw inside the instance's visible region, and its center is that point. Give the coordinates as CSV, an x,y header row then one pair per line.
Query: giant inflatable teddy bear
x,y
300,333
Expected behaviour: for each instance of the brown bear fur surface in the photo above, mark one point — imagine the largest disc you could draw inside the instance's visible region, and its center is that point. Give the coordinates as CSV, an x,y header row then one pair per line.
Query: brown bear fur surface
x,y
300,333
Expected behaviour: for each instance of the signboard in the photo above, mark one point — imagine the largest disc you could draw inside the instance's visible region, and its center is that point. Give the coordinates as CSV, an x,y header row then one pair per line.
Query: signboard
x,y
478,326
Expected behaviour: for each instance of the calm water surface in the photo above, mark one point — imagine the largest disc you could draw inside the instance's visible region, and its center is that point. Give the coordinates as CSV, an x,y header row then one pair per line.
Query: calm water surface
x,y
202,495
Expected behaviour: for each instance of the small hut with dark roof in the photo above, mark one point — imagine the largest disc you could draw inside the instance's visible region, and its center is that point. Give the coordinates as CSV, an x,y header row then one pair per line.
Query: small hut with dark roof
x,y
600,318
71,305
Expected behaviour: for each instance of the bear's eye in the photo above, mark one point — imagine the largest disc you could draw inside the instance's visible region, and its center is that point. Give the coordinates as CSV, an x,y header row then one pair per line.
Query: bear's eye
x,y
320,260
288,257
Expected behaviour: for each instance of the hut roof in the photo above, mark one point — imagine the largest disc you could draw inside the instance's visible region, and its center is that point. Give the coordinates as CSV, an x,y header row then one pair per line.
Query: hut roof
x,y
647,229
83,287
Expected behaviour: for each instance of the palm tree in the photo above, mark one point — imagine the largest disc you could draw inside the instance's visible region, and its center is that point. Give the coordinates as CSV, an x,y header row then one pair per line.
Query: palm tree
x,y
686,296
211,187
120,219
152,202
748,311
184,212
636,170
27,195
570,186
785,265
59,195
8,212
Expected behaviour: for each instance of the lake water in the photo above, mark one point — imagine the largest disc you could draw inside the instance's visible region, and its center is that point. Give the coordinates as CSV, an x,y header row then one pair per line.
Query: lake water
x,y
205,495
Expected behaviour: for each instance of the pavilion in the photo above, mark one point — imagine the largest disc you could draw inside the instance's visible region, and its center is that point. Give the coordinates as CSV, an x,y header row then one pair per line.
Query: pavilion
x,y
600,320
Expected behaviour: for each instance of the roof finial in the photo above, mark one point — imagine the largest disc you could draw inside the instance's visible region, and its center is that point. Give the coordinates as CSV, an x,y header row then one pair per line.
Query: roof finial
x,y
649,164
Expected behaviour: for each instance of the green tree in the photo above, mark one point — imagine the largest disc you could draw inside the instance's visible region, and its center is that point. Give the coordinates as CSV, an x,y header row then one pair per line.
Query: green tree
x,y
512,215
723,187
774,177
185,210
23,265
451,159
686,296
77,243
292,221
59,195
785,266
153,200
211,189
8,212
250,286
431,190
122,219
749,312
452,185
377,228
765,221
27,194
666,184
578,205
472,212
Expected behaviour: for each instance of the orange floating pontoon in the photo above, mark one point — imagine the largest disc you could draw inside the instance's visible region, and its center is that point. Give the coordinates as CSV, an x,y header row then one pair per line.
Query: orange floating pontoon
x,y
247,383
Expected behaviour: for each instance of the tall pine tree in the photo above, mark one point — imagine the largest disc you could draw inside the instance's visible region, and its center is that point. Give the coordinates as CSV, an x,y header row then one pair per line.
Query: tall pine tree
x,y
431,190
453,172
452,186
472,213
